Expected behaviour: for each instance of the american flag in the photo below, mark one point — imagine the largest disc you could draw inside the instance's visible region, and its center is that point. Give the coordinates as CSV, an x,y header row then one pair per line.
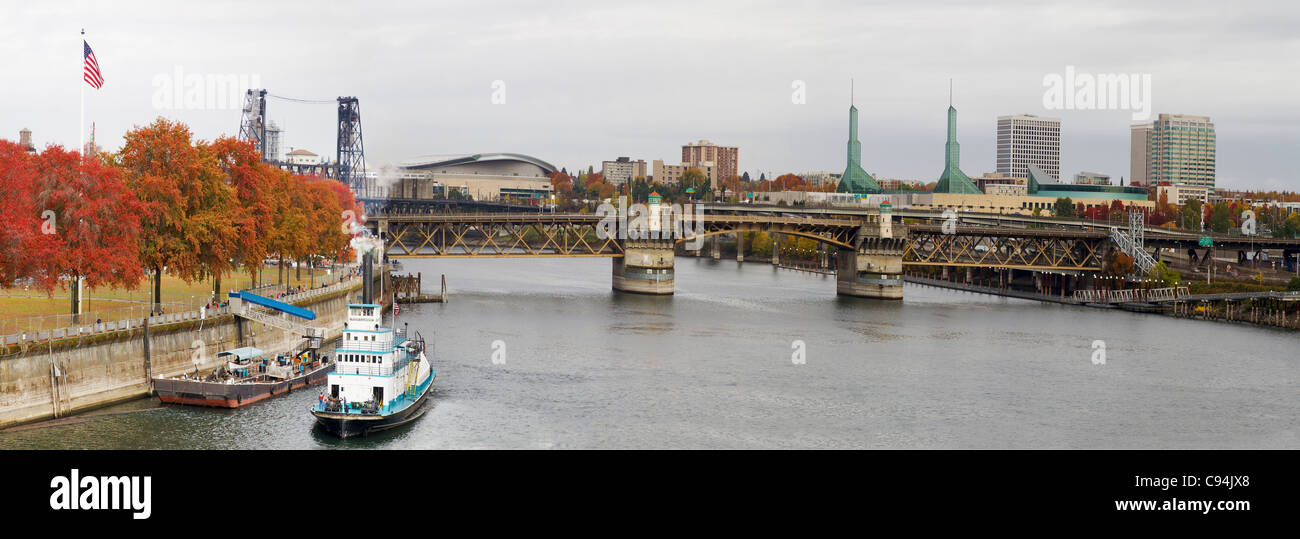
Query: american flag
x,y
92,76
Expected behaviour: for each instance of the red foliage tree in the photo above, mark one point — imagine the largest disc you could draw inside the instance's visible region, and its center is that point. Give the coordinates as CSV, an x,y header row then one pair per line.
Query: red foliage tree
x,y
96,227
22,243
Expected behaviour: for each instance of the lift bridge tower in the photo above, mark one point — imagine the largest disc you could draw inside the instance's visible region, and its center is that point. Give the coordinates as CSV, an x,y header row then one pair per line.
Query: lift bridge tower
x,y
351,149
253,125
350,166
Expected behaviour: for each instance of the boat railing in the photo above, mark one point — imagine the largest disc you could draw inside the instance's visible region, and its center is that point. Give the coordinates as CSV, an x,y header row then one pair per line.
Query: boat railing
x,y
365,346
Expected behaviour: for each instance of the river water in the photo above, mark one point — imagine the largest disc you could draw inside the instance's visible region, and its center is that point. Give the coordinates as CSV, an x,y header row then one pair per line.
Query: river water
x,y
717,366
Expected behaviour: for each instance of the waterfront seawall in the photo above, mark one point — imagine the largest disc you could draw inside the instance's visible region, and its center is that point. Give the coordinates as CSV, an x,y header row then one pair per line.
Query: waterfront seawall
x,y
105,368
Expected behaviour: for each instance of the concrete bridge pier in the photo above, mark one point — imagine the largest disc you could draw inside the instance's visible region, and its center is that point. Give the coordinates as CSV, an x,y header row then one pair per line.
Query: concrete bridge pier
x,y
874,270
740,247
645,268
717,248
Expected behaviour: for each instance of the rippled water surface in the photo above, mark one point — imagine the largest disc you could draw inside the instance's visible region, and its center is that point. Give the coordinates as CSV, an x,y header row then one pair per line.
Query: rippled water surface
x,y
711,367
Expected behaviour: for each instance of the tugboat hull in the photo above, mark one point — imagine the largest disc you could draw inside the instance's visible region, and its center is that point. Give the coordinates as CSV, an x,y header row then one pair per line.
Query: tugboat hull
x,y
356,424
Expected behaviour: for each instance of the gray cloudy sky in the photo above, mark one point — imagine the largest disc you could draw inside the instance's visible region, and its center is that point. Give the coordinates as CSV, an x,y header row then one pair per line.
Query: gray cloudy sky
x,y
586,81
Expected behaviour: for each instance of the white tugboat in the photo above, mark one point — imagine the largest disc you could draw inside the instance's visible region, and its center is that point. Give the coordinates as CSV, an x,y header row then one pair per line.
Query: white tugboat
x,y
381,377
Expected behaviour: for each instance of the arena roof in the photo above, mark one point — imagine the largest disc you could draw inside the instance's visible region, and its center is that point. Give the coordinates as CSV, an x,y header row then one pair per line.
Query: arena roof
x,y
430,161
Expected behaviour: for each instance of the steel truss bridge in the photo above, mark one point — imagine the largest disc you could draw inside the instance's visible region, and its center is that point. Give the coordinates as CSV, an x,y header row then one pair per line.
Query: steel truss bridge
x,y
511,235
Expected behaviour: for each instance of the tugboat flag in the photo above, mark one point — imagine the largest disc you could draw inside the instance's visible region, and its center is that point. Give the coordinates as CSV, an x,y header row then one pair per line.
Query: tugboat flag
x,y
92,76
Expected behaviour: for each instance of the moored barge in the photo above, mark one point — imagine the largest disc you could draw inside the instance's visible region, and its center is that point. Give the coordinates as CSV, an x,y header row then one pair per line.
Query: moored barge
x,y
247,376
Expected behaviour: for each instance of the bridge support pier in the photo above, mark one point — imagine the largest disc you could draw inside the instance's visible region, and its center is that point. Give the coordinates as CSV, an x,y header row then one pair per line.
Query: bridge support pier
x,y
717,248
874,270
740,247
645,268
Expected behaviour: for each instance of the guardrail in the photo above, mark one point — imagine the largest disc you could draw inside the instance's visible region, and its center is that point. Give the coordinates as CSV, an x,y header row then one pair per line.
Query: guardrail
x,y
1132,295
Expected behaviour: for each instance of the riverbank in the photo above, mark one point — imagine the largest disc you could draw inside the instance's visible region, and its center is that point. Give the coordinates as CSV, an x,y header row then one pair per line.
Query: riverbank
x,y
54,378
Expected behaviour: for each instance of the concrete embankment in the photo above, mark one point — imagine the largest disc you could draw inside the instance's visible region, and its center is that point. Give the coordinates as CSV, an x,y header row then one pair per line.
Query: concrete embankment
x,y
57,377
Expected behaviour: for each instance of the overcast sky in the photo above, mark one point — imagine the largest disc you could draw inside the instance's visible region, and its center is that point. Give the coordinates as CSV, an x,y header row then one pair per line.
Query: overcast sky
x,y
588,81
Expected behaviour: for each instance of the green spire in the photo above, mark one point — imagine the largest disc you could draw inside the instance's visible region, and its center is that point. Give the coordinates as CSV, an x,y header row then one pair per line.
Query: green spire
x,y
854,179
953,179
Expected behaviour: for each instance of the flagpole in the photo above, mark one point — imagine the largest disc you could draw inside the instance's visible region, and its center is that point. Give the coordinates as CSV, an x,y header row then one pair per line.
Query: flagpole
x,y
81,150
81,126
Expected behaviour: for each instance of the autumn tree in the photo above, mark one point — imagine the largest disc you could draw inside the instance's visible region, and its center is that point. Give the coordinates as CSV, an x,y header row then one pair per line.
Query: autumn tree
x,y
94,222
325,233
246,173
289,228
788,182
1118,264
188,211
351,214
22,242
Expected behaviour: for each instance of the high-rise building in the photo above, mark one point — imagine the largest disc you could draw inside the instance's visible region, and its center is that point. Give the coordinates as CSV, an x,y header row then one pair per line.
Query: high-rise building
x,y
1139,154
705,153
1025,139
1179,149
622,170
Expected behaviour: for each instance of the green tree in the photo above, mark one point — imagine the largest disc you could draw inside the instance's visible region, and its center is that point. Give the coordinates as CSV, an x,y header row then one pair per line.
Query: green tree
x,y
1162,273
1220,219
1191,215
1064,207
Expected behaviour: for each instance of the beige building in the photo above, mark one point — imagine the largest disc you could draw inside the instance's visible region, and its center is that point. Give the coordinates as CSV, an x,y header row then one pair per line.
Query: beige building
x,y
1001,183
1139,154
1011,204
672,174
1176,148
622,170
486,177
820,178
1180,194
894,185
303,157
704,153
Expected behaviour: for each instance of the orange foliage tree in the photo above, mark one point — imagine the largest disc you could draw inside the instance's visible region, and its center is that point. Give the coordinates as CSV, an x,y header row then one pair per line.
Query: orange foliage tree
x,y
189,211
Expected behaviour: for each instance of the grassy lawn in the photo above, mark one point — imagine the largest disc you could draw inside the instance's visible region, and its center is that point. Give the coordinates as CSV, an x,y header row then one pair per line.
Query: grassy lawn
x,y
115,303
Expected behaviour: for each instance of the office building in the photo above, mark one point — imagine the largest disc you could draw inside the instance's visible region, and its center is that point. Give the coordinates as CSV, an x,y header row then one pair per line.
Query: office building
x,y
1025,139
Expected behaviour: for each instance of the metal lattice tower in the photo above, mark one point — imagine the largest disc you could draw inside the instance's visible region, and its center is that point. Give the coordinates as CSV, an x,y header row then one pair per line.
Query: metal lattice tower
x,y
1137,226
253,125
351,150
1132,243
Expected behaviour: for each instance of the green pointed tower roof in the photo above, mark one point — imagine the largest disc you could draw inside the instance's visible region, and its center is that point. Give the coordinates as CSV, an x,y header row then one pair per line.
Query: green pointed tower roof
x,y
855,180
953,180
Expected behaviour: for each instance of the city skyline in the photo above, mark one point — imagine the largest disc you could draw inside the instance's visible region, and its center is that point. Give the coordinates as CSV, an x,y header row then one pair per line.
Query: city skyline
x,y
430,92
